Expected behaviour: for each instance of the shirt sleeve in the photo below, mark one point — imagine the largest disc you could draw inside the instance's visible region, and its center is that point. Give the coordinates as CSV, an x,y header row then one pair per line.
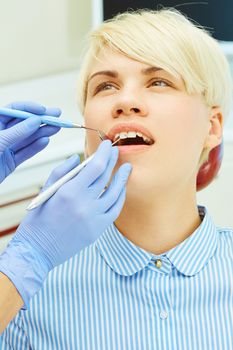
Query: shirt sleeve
x,y
14,337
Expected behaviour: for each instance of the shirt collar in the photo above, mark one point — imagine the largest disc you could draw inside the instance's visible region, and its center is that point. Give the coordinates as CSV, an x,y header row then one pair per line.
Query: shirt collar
x,y
191,255
188,257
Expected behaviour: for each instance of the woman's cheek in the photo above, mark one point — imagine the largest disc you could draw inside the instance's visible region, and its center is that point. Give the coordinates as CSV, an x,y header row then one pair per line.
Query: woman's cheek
x,y
92,143
92,138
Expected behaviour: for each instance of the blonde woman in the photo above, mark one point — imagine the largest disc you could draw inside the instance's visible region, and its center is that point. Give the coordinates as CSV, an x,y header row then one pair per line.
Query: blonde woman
x,y
160,277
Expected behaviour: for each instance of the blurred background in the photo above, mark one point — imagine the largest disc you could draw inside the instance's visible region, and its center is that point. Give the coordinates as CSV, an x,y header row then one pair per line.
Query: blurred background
x,y
40,47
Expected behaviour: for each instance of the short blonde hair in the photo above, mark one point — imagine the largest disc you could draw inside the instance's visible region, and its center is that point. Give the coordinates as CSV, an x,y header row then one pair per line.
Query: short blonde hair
x,y
167,39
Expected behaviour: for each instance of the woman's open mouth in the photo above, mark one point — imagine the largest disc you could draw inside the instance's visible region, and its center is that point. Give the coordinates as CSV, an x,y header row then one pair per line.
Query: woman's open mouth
x,y
131,137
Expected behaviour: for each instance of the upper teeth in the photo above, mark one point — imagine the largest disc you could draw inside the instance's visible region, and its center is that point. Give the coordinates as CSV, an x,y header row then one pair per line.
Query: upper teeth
x,y
131,134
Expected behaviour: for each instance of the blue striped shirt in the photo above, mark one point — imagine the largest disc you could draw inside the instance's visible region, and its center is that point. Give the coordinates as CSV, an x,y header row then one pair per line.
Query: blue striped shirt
x,y
114,295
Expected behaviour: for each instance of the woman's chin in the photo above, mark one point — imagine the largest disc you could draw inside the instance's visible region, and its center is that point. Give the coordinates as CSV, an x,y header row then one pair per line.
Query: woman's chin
x,y
139,184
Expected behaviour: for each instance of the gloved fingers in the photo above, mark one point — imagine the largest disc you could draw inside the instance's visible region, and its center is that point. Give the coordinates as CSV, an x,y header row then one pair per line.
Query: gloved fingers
x,y
35,108
53,111
19,132
28,106
115,210
7,163
50,111
43,131
99,184
12,122
30,150
8,122
97,166
112,193
4,121
62,170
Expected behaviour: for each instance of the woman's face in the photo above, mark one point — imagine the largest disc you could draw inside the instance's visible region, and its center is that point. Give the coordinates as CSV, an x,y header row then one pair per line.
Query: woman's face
x,y
125,96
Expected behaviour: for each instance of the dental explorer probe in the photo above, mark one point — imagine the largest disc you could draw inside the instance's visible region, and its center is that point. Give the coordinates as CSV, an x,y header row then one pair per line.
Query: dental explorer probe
x,y
46,119
44,196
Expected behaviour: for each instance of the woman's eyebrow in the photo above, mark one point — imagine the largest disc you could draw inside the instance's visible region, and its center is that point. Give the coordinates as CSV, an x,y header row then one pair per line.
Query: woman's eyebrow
x,y
110,73
114,74
150,70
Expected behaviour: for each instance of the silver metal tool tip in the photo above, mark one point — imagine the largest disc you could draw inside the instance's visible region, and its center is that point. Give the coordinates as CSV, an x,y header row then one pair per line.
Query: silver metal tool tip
x,y
76,125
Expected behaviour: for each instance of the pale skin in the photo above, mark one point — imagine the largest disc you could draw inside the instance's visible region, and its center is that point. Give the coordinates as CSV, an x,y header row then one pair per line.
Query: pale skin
x,y
10,301
160,210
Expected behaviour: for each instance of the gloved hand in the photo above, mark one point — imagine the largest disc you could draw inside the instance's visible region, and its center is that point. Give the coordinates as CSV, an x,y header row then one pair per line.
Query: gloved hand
x,y
20,140
71,219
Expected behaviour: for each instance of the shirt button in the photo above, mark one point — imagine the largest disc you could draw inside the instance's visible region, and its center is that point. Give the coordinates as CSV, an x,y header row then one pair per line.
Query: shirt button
x,y
163,314
158,263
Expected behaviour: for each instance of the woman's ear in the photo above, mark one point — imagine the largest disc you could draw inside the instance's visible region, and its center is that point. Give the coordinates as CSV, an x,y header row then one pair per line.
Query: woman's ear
x,y
214,137
214,143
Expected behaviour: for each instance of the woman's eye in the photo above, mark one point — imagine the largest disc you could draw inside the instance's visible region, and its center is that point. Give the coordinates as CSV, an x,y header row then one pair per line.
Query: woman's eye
x,y
159,82
104,86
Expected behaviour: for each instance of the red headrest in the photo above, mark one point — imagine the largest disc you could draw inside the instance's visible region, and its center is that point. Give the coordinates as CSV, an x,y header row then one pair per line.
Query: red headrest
x,y
210,168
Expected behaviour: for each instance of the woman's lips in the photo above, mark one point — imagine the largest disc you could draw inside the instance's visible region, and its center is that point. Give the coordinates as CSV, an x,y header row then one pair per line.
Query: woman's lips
x,y
127,127
132,148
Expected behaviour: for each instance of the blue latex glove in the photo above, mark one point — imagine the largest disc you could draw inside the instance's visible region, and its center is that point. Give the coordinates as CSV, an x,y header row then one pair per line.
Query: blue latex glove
x,y
20,140
71,219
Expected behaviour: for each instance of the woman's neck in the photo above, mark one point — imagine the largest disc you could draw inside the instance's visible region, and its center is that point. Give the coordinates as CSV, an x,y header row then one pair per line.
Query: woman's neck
x,y
158,225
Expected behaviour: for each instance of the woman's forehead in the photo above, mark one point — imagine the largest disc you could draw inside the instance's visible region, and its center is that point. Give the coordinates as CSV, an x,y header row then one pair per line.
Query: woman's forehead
x,y
110,58
112,63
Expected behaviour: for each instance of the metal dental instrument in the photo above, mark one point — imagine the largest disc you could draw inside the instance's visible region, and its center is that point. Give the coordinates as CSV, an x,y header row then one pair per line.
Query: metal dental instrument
x,y
44,196
14,113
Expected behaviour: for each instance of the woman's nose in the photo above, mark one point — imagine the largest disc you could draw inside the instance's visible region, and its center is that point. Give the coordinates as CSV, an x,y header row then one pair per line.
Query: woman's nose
x,y
129,107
